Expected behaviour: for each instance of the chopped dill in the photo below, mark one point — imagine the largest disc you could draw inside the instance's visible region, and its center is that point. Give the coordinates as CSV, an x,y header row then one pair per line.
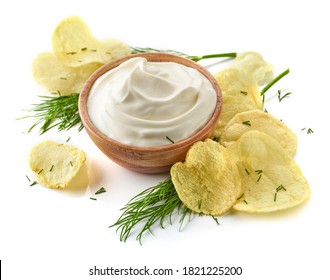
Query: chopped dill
x,y
101,190
240,196
216,220
169,139
280,96
33,183
259,177
199,204
279,188
247,123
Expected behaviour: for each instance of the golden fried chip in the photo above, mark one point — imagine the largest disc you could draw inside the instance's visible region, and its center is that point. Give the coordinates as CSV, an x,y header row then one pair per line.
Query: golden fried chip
x,y
58,78
55,165
254,66
271,179
237,96
75,45
115,48
208,181
261,121
240,87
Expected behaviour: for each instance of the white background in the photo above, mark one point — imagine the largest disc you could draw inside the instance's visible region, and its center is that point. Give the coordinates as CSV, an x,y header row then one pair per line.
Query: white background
x,y
51,234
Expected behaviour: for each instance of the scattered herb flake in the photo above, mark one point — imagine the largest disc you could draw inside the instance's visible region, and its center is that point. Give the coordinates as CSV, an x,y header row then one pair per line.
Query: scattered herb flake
x,y
240,196
247,123
199,204
33,183
27,177
280,187
280,97
71,163
310,131
67,140
40,171
243,92
247,171
169,139
83,49
259,178
216,220
92,198
51,168
71,53
101,190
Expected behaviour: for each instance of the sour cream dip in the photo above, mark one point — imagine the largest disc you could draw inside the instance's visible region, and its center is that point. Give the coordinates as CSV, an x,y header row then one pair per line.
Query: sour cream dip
x,y
144,103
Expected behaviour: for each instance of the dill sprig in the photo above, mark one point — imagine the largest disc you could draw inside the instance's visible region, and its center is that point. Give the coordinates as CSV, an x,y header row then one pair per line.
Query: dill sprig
x,y
56,111
153,205
195,58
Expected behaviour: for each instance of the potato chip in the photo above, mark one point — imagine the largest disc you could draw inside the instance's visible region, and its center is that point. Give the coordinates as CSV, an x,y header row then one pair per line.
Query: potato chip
x,y
75,45
49,72
271,179
208,181
55,165
254,66
240,87
261,121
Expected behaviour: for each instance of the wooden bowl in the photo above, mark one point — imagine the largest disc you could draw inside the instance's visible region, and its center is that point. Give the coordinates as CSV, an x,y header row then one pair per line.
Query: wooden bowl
x,y
155,159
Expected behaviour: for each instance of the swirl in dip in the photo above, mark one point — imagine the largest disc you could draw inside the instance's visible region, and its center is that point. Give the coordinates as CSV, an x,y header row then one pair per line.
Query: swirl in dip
x,y
143,103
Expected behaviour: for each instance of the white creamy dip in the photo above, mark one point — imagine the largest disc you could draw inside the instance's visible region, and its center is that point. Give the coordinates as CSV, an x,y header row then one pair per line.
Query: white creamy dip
x,y
145,103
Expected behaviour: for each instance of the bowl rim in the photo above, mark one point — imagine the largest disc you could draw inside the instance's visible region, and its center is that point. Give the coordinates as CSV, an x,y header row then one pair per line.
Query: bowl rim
x,y
154,57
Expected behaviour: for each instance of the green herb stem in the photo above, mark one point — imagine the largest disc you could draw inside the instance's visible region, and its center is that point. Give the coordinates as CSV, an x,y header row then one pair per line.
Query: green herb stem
x,y
217,55
191,57
274,81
